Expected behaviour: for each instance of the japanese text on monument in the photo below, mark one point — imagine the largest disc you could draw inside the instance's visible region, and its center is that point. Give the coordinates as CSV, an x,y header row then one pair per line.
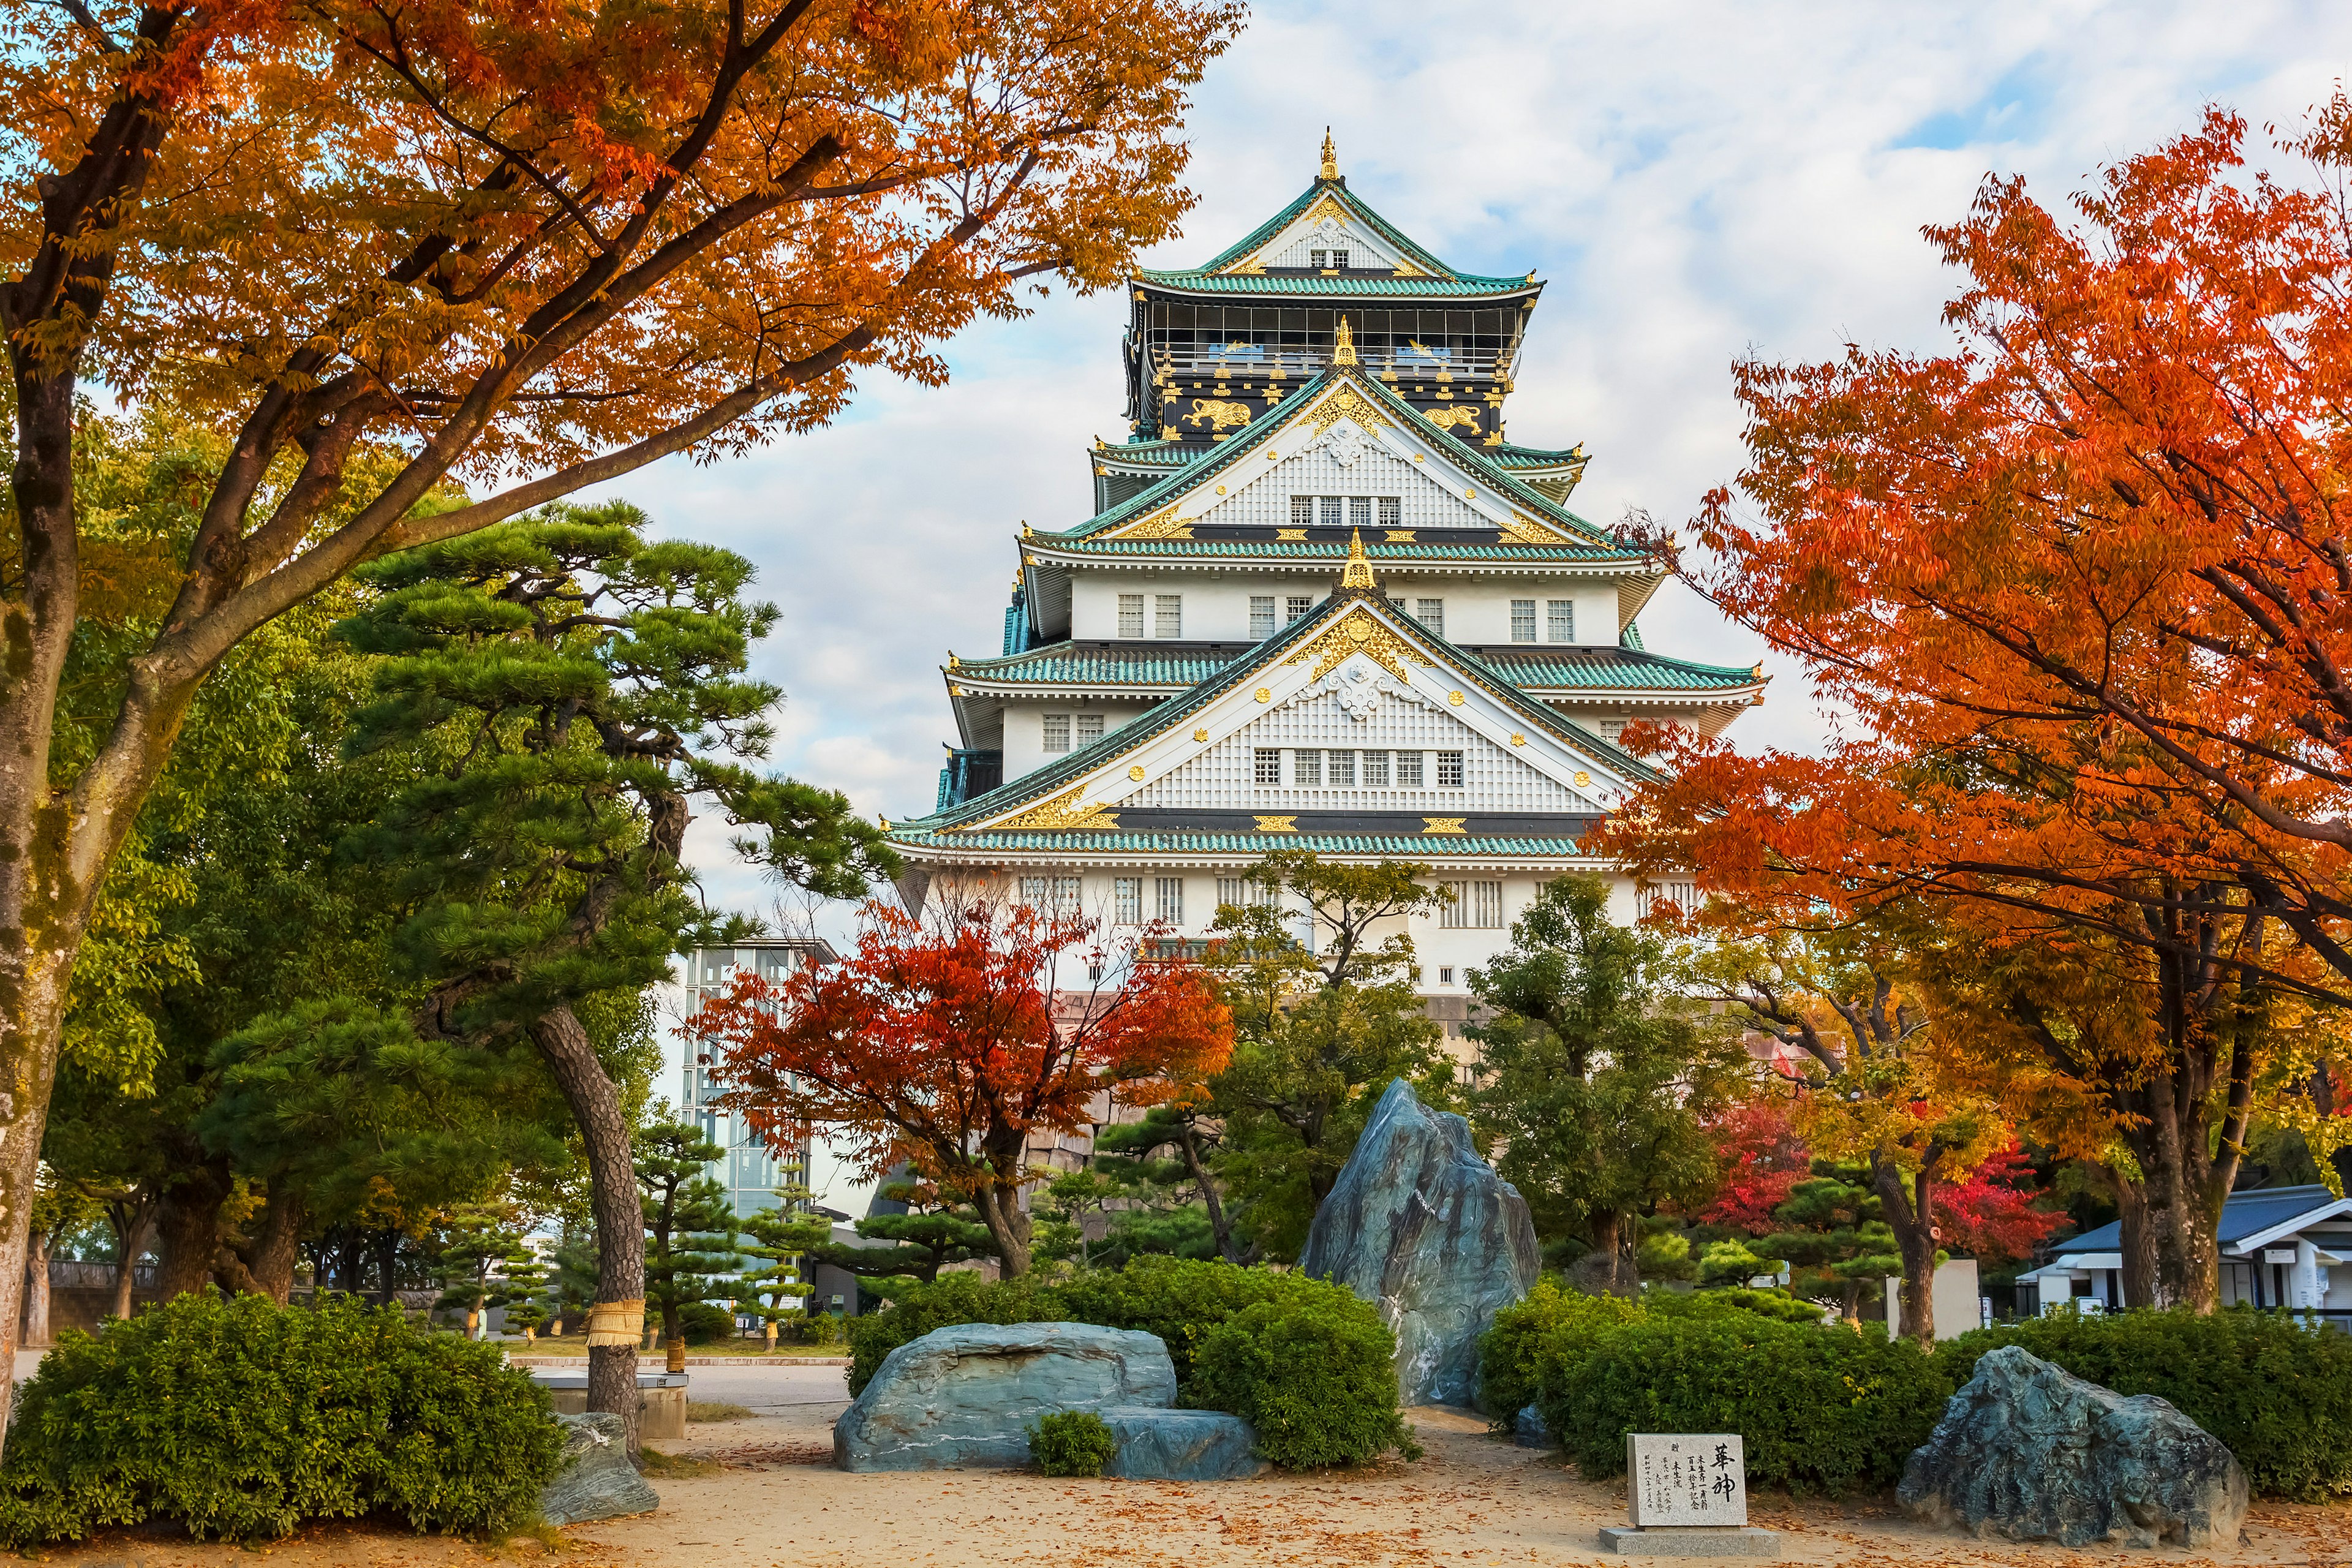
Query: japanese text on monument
x,y
1686,1478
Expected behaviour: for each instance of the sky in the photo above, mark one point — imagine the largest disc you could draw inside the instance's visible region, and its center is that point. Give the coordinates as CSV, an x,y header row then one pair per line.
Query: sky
x,y
1697,183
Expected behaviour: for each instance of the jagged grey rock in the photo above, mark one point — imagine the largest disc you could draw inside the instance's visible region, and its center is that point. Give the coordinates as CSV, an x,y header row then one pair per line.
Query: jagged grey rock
x,y
964,1395
1529,1431
1181,1446
595,1478
2028,1451
1421,1227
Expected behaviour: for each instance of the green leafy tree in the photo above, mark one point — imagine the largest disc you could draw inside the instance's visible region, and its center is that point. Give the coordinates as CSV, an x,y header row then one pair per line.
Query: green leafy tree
x,y
1594,1084
1838,1248
931,1234
774,1287
1320,1027
586,686
519,1286
691,1227
470,1245
1189,1127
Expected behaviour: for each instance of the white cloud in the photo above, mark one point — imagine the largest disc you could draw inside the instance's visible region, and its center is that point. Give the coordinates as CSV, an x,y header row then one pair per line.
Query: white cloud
x,y
1695,180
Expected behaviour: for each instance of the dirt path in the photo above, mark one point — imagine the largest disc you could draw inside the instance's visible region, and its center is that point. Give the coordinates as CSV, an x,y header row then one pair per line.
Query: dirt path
x,y
1473,1502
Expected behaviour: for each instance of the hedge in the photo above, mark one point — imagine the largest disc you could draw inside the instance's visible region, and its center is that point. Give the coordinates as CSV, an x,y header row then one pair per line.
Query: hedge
x,y
1072,1443
1308,1362
244,1419
2277,1392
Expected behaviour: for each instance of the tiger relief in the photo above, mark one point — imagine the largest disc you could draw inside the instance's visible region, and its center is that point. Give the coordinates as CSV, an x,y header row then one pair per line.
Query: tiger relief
x,y
1448,419
1218,414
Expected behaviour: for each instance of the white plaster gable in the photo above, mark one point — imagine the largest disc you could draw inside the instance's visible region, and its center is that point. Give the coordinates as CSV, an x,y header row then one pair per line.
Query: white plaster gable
x,y
1326,225
1310,692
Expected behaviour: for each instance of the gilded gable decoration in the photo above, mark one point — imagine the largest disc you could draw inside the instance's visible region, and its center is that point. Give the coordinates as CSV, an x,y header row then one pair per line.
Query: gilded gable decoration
x,y
1359,631
1063,813
1161,524
1346,403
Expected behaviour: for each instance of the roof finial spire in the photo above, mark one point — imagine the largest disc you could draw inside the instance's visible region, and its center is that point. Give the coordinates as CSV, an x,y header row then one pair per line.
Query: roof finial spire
x,y
1330,156
1344,350
1359,573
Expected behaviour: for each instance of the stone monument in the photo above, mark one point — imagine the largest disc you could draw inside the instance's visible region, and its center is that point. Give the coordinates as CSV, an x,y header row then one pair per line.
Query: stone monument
x,y
1687,1496
1421,1227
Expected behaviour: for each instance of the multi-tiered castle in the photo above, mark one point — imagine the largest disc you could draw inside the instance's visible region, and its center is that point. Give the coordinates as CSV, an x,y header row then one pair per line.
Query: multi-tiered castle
x,y
1322,603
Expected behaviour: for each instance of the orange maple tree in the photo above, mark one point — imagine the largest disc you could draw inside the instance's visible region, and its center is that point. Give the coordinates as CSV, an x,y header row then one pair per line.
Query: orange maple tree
x,y
378,251
2082,585
950,1043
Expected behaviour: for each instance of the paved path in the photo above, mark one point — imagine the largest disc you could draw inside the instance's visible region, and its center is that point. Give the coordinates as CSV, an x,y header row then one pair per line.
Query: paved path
x,y
770,1388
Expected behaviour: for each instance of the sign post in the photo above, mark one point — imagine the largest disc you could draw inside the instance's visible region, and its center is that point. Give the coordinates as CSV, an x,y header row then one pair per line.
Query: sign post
x,y
1687,1496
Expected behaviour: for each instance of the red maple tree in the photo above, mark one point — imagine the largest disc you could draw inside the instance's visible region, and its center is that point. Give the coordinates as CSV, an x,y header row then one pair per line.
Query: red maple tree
x,y
1762,1159
1991,1214
947,1042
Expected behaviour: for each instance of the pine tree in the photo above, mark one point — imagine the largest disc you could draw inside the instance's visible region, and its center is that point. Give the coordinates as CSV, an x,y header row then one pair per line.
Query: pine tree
x,y
691,1227
1839,1248
776,1289
521,1280
470,1243
931,1234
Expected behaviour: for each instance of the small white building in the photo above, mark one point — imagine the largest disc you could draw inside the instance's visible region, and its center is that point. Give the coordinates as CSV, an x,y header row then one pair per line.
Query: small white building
x,y
2279,1248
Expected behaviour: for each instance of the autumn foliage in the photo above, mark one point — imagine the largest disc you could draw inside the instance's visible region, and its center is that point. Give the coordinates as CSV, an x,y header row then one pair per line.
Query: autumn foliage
x,y
954,1042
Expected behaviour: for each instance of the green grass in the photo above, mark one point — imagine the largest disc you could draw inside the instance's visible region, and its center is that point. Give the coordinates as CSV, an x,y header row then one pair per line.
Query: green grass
x,y
715,1410
674,1467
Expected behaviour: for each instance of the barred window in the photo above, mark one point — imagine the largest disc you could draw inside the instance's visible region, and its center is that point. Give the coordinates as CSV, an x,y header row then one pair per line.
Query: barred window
x,y
1130,614
1167,615
1299,607
1408,770
1057,732
1339,259
1127,900
1171,899
1391,512
1089,729
1343,769
1050,895
1449,769
1268,760
1523,620
1328,509
1261,615
1475,906
1683,896
1241,893
1376,770
1431,613
1613,730
1559,615
1360,511
1307,767
1318,257
1455,915
1302,511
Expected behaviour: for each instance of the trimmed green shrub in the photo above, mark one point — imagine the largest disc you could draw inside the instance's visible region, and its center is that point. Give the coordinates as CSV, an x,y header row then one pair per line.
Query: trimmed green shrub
x,y
1185,1303
1315,1373
2277,1392
1820,1408
243,1419
1510,1351
701,1323
1072,1443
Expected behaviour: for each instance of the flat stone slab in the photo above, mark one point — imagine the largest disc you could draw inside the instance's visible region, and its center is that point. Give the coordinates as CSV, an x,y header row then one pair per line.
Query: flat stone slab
x,y
1690,1540
965,1395
595,1478
1182,1446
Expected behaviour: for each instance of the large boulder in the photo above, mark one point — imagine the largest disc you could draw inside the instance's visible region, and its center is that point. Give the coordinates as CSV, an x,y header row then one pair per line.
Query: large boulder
x,y
1421,1227
2030,1452
1181,1446
595,1478
964,1397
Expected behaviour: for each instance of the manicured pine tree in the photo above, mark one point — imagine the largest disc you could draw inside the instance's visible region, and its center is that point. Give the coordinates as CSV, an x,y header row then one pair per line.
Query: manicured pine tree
x,y
932,1233
691,1227
1839,1248
469,1245
521,1281
776,1287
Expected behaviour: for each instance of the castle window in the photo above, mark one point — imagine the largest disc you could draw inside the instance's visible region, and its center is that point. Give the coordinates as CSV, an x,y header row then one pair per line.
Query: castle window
x,y
1089,729
1376,770
1613,730
1241,893
1130,614
1523,620
1171,899
1307,767
1299,607
1431,613
1449,769
1391,510
1302,511
1267,762
1127,900
1475,906
1167,615
1360,511
1343,769
1050,895
1445,974
1339,259
1057,732
1559,620
1329,510
1408,770
1318,258
1261,615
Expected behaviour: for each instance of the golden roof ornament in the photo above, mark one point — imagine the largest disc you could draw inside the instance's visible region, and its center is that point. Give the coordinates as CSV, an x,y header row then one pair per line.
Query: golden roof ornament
x,y
1330,156
1359,573
1344,350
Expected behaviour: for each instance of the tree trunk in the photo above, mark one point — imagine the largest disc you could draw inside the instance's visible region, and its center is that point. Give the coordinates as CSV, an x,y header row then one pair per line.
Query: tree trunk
x,y
188,1231
273,1254
1221,1224
673,1339
2138,1239
130,1243
613,1322
1849,1313
36,1290
1008,1226
1911,1216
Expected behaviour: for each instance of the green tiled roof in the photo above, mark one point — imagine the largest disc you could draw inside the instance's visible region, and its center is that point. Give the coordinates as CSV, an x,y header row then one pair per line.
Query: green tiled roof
x,y
1507,456
1444,279
1648,672
1225,453
1407,845
1294,283
1174,710
1159,454
1327,549
1064,664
